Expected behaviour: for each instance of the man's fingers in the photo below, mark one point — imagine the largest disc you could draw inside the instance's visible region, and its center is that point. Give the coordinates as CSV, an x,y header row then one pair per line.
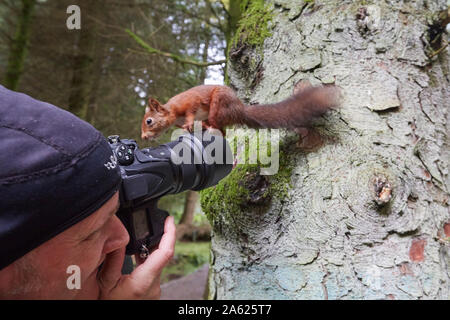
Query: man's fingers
x,y
143,282
111,270
158,259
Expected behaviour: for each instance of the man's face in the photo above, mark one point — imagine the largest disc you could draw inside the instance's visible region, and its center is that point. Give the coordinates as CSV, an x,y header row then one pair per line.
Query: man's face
x,y
85,245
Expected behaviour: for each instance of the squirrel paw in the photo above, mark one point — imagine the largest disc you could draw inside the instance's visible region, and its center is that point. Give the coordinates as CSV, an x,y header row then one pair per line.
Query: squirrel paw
x,y
188,127
205,126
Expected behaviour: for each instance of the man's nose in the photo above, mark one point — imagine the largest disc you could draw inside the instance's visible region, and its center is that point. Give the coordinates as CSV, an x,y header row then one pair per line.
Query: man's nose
x,y
119,236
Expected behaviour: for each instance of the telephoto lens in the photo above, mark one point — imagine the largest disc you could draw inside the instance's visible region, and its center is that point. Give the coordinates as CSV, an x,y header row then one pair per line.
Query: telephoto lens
x,y
192,162
202,162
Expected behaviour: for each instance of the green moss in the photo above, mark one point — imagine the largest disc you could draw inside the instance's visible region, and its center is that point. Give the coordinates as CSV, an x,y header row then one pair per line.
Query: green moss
x,y
229,194
281,182
253,26
245,189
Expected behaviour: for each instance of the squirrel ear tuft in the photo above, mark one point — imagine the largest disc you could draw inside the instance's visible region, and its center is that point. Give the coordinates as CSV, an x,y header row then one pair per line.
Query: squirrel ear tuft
x,y
154,104
147,109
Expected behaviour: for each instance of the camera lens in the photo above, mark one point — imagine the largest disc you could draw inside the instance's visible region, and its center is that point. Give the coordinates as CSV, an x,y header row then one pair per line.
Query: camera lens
x,y
202,160
192,162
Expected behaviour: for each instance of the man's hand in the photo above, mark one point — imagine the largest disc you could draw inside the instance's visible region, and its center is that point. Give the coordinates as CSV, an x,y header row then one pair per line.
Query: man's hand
x,y
144,281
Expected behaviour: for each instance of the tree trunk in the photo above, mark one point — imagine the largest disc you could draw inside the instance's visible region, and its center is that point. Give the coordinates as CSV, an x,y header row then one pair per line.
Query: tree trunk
x,y
19,45
234,14
366,215
83,62
204,71
189,207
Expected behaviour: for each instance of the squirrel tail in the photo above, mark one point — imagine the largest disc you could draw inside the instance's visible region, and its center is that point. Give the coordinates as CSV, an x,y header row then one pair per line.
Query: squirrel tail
x,y
296,111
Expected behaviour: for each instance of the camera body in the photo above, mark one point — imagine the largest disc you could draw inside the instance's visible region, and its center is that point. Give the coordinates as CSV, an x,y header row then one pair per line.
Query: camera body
x,y
149,174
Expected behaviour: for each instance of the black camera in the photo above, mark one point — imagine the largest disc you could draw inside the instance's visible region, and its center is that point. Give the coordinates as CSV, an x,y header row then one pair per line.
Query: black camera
x,y
194,161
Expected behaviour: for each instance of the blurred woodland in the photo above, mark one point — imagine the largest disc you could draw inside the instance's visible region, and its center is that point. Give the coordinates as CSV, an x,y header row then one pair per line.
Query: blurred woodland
x,y
100,72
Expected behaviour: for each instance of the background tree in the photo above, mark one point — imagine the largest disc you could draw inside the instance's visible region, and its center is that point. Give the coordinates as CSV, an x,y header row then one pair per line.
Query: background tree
x,y
362,212
18,45
220,21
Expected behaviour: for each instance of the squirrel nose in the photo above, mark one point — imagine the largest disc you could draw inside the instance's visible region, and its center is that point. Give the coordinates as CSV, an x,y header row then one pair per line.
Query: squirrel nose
x,y
144,136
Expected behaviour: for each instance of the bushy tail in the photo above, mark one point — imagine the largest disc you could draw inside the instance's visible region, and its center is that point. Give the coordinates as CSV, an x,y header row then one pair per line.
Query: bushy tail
x,y
295,111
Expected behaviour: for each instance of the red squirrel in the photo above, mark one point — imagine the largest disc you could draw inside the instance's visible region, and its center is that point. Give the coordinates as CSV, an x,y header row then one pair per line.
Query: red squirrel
x,y
218,106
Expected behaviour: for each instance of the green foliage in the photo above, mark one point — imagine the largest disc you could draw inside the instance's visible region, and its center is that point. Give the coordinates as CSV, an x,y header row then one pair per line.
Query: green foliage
x,y
188,257
253,26
174,204
200,219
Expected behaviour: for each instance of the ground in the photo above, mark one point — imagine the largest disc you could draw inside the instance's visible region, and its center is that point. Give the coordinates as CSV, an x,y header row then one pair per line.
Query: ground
x,y
190,287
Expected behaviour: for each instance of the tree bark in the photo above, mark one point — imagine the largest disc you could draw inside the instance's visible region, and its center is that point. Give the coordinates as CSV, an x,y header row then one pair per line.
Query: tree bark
x,y
367,214
18,50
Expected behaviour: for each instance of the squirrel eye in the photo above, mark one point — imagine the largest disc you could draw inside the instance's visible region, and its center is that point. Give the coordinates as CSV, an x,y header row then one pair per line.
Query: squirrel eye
x,y
148,121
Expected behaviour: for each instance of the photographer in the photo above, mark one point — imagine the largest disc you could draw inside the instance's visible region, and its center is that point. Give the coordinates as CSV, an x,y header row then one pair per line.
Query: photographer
x,y
59,185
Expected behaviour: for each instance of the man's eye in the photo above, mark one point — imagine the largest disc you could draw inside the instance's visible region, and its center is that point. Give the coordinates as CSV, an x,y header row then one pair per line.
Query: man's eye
x,y
91,236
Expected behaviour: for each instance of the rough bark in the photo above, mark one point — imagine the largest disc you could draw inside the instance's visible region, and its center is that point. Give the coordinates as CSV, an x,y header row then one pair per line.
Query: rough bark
x,y
367,216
